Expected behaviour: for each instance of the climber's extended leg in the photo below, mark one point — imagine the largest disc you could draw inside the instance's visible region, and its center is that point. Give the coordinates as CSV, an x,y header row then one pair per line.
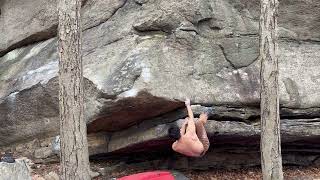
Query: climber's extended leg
x,y
201,132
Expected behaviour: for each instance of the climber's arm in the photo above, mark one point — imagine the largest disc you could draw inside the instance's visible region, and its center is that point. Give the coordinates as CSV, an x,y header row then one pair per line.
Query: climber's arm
x,y
191,124
184,126
188,105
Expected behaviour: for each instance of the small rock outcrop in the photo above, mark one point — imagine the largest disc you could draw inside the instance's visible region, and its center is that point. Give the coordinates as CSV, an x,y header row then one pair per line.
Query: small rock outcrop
x,y
17,171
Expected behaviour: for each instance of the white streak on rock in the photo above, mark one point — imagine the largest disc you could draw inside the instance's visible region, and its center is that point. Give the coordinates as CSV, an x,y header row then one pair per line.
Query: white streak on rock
x,y
50,66
12,96
146,75
43,74
243,75
130,93
12,55
37,48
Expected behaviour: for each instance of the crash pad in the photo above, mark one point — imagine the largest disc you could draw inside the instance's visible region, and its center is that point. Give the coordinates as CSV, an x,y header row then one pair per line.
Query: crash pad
x,y
152,175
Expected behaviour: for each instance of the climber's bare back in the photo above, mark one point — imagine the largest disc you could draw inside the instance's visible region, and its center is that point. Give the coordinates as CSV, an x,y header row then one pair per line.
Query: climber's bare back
x,y
189,145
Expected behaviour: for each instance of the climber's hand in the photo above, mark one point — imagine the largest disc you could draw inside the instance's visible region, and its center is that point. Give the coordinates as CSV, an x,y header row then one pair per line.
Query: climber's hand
x,y
187,102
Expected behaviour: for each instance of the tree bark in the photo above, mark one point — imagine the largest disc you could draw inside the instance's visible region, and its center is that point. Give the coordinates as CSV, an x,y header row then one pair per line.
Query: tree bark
x,y
270,144
73,133
271,160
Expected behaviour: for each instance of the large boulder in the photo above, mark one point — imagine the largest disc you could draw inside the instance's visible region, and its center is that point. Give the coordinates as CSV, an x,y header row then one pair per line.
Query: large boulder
x,y
143,57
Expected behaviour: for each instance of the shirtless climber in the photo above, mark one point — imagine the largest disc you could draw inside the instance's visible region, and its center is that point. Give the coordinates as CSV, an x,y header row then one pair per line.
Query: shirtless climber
x,y
191,139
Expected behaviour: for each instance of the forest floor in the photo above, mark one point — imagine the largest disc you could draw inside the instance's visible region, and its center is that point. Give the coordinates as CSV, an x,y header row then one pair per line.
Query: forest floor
x,y
108,171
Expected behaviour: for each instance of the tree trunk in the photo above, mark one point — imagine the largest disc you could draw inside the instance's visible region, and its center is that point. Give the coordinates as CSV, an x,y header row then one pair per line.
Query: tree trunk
x,y
270,145
73,133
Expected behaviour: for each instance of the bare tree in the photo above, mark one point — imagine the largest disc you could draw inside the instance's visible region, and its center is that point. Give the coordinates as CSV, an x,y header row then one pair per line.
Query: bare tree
x,y
270,144
74,145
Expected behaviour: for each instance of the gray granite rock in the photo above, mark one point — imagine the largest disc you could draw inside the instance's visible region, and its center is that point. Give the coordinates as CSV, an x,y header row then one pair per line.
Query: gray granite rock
x,y
17,171
35,20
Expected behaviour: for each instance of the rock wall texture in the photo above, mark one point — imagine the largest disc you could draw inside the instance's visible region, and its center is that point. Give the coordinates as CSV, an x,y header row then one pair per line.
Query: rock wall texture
x,y
18,170
143,57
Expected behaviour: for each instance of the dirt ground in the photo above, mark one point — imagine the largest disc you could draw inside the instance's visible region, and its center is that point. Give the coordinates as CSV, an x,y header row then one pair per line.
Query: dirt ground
x,y
290,173
109,171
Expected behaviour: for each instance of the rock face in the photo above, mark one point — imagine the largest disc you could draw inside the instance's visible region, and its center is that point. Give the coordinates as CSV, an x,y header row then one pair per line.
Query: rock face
x,y
18,171
143,57
32,21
